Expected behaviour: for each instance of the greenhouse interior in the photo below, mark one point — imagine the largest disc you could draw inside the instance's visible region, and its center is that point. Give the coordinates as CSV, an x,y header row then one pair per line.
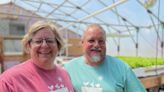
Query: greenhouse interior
x,y
134,32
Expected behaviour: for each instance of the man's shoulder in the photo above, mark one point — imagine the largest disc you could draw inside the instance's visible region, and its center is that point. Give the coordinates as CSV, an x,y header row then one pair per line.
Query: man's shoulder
x,y
74,62
115,60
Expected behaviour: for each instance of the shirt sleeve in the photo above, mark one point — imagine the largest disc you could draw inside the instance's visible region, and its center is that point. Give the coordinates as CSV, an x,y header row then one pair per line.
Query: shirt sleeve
x,y
132,83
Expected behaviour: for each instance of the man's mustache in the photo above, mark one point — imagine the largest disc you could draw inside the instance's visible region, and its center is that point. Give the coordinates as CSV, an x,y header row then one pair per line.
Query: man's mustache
x,y
95,49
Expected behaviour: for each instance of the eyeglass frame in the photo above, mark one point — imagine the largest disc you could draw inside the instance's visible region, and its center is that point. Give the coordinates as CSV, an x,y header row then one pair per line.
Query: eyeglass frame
x,y
40,41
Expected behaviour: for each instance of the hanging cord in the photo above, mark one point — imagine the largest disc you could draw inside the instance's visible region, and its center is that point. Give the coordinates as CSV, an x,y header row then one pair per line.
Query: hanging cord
x,y
128,29
137,36
119,22
157,32
114,40
162,43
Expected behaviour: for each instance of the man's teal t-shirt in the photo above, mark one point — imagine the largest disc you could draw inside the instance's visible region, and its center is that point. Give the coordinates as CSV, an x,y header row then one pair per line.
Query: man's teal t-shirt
x,y
110,76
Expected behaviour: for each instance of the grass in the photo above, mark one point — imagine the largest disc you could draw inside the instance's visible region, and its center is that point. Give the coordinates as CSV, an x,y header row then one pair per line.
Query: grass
x,y
136,62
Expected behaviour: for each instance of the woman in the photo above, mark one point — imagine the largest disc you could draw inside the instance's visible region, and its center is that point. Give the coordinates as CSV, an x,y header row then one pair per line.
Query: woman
x,y
38,74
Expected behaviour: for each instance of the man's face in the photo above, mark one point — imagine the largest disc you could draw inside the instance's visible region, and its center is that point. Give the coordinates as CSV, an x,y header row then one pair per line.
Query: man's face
x,y
94,46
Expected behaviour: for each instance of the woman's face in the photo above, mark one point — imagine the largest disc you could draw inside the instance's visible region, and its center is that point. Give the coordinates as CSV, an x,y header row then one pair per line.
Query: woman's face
x,y
43,47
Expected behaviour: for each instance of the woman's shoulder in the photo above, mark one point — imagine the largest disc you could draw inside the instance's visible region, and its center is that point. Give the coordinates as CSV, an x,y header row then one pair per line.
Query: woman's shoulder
x,y
14,71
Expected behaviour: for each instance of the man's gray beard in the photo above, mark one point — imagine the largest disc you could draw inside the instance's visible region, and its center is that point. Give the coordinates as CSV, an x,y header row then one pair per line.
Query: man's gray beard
x,y
95,58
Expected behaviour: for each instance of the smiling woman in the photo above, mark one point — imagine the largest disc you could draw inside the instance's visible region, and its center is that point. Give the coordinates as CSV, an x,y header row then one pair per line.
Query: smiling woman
x,y
39,73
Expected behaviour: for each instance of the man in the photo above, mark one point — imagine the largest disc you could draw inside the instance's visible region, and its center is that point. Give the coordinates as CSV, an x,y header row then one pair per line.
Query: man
x,y
98,72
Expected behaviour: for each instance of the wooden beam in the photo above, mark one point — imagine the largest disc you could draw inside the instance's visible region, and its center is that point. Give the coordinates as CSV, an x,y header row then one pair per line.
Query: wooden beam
x,y
12,37
153,81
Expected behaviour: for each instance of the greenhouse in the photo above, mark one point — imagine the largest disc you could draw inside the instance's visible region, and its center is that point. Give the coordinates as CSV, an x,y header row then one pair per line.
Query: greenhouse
x,y
134,32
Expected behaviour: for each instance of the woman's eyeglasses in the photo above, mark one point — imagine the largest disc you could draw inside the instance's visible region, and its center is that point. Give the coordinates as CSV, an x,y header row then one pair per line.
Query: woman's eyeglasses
x,y
48,41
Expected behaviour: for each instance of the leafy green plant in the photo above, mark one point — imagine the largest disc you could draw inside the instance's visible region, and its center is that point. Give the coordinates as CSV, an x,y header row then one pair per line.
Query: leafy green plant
x,y
136,62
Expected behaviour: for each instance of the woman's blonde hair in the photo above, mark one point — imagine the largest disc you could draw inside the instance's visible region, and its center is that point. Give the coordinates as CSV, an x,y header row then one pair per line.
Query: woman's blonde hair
x,y
38,26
